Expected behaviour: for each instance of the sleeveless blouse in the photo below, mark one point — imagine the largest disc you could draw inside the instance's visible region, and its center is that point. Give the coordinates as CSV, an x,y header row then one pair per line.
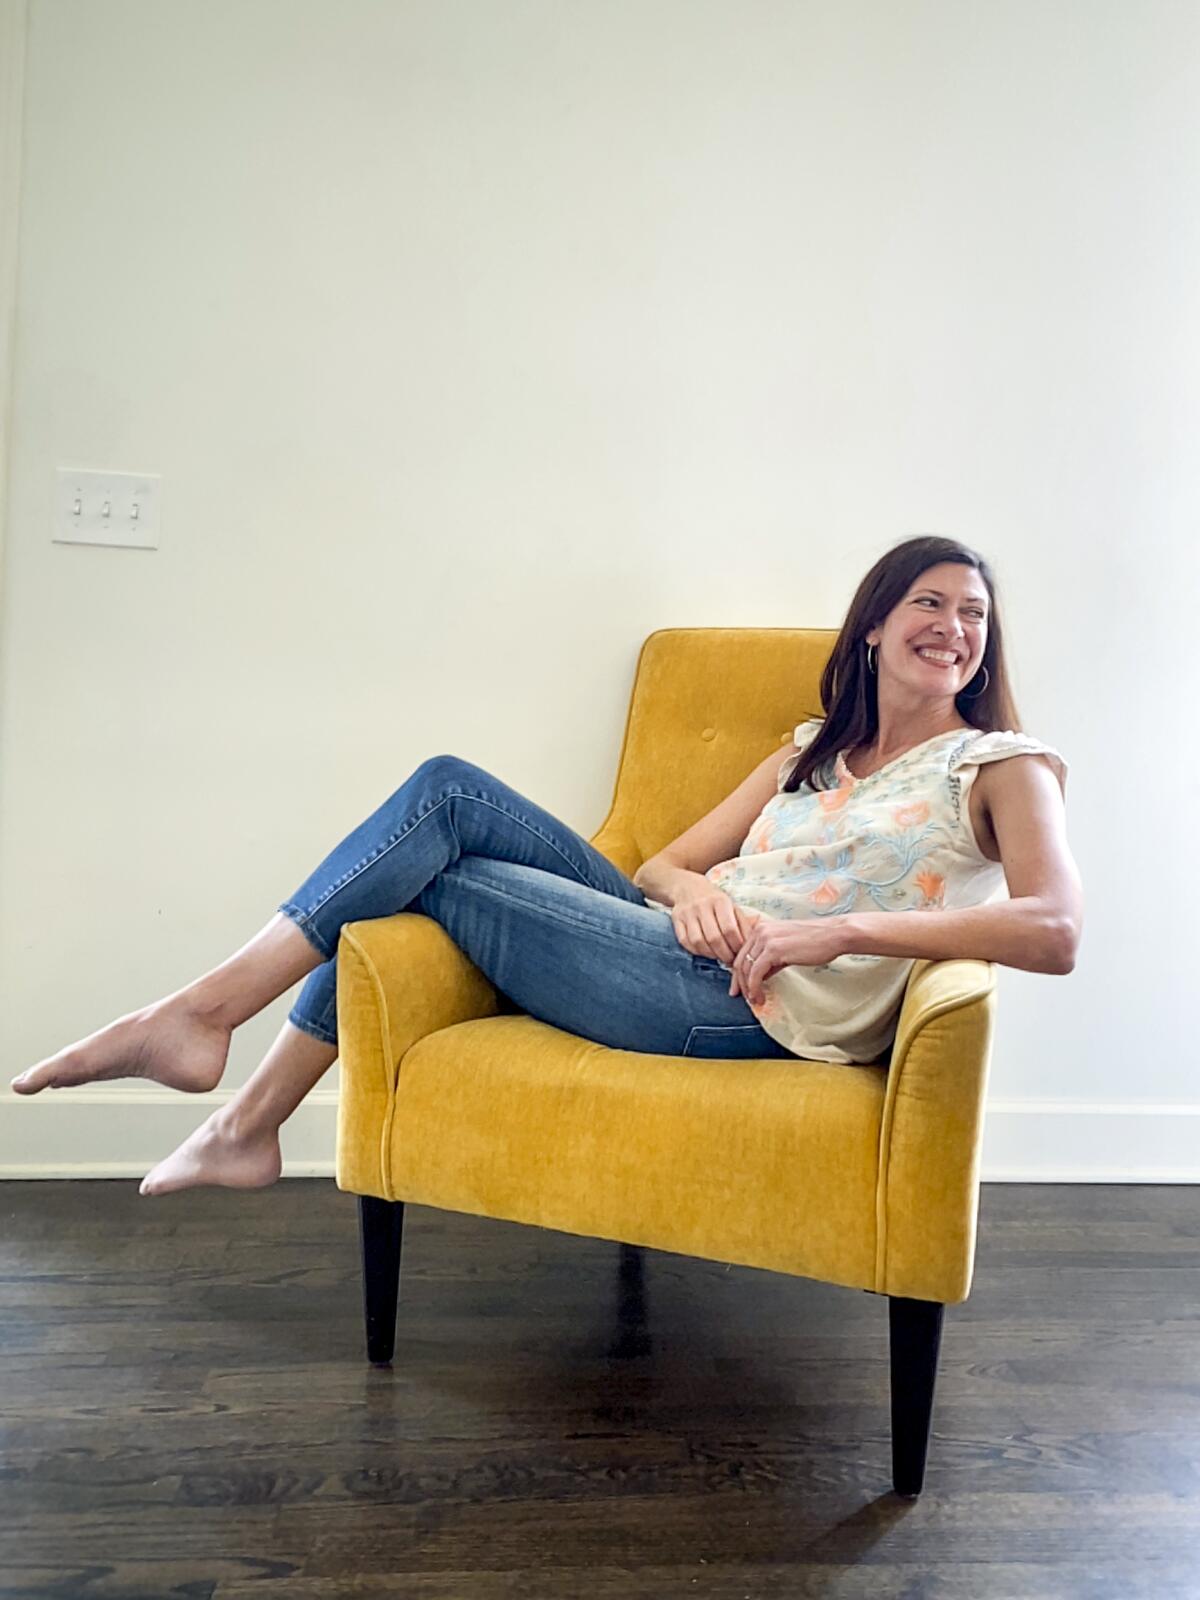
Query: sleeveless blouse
x,y
899,839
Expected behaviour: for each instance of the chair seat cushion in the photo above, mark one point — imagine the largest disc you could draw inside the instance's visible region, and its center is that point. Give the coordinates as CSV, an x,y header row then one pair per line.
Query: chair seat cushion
x,y
766,1163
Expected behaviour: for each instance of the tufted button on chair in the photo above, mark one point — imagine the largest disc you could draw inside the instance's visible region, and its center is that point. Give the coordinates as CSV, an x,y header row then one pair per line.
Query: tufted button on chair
x,y
865,1176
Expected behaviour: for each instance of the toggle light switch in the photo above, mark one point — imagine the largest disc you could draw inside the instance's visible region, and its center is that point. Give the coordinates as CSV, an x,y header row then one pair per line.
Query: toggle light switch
x,y
107,508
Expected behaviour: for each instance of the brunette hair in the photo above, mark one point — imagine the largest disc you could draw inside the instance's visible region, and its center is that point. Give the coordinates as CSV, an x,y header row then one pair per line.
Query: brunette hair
x,y
849,689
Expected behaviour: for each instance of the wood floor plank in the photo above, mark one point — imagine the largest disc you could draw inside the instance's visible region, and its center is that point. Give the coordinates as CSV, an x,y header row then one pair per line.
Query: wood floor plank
x,y
186,1410
901,1581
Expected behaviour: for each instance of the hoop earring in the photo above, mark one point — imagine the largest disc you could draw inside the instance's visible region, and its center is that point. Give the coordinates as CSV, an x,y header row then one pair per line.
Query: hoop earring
x,y
870,658
987,678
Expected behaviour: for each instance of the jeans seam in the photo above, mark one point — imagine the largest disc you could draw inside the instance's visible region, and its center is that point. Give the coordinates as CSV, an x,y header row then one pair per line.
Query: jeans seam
x,y
721,1027
370,860
574,922
310,1028
727,1027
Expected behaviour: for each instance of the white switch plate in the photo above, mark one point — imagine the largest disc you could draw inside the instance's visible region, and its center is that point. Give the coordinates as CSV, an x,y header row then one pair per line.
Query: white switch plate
x,y
107,508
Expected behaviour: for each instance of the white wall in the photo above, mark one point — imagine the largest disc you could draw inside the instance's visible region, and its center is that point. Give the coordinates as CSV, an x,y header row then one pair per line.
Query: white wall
x,y
473,343
12,74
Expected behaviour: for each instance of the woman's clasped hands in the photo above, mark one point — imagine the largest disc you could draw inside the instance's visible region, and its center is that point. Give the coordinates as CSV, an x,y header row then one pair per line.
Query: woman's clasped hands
x,y
753,945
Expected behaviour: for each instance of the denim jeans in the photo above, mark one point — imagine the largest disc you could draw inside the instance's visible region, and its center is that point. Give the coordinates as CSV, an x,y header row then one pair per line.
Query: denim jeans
x,y
555,926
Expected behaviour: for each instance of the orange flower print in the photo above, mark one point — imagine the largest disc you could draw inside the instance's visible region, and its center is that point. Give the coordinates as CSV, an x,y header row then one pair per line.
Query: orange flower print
x,y
912,815
826,895
932,885
768,1007
760,838
834,799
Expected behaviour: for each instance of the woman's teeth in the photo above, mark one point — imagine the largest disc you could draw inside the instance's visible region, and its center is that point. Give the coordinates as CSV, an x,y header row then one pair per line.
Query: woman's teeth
x,y
941,658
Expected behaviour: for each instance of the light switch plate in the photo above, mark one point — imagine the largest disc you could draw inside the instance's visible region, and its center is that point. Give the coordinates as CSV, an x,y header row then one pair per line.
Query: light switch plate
x,y
107,508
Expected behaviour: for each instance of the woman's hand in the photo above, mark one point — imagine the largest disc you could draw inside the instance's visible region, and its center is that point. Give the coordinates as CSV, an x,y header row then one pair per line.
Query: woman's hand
x,y
708,923
775,943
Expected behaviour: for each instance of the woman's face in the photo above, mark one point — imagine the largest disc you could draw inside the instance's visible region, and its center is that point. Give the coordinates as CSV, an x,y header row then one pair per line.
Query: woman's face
x,y
944,612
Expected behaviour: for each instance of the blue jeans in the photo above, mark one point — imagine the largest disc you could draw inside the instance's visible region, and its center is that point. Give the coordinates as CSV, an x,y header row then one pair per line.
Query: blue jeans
x,y
556,927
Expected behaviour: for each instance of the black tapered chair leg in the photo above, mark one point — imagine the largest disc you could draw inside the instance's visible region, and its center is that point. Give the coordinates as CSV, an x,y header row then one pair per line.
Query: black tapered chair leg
x,y
915,1329
381,1226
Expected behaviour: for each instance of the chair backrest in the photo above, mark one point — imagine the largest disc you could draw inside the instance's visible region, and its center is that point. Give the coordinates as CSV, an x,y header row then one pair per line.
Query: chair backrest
x,y
708,704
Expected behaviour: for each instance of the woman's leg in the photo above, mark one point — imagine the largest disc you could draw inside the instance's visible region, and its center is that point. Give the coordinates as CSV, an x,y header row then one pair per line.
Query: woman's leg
x,y
238,1146
447,808
595,965
183,1040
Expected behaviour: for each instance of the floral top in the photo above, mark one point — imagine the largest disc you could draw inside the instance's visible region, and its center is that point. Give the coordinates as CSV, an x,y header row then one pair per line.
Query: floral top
x,y
898,840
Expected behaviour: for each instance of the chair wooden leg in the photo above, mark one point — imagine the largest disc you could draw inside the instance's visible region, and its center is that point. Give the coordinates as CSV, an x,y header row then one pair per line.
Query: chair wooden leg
x,y
915,1328
381,1226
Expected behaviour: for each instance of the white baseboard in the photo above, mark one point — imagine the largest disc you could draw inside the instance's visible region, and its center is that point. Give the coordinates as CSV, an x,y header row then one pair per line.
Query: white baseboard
x,y
112,1131
1080,1141
108,1131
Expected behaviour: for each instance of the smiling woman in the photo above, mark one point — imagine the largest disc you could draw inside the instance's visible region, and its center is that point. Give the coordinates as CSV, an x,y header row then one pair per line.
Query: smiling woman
x,y
882,812
921,651
917,792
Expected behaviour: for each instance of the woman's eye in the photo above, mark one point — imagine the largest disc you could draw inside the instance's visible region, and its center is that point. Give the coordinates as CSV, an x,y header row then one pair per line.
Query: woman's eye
x,y
923,598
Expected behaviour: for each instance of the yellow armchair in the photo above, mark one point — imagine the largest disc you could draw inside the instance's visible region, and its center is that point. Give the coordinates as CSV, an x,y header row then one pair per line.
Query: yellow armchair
x,y
861,1176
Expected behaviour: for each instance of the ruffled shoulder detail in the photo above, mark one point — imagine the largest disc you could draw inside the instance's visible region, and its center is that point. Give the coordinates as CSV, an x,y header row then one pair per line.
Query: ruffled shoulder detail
x,y
804,735
999,746
806,732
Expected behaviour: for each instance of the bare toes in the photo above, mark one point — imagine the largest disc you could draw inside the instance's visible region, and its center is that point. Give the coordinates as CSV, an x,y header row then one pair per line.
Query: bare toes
x,y
54,1074
164,1043
211,1156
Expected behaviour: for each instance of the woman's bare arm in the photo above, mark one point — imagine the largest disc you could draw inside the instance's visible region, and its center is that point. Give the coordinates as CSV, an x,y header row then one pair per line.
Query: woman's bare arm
x,y
1038,927
716,837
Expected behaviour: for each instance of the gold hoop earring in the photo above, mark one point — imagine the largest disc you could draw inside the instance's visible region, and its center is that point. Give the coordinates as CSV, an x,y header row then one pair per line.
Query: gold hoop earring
x,y
987,678
870,658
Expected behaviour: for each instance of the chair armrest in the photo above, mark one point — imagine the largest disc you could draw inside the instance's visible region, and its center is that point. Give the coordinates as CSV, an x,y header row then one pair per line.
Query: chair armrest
x,y
399,979
931,1136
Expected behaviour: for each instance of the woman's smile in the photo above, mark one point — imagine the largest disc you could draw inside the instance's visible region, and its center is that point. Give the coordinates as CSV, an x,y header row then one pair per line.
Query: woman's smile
x,y
937,658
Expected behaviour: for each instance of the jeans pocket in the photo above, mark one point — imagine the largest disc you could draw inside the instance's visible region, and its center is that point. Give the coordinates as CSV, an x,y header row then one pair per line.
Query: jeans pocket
x,y
710,964
741,1042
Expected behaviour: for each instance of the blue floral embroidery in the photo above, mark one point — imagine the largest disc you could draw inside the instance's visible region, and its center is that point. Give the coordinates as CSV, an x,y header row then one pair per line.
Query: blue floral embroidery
x,y
863,855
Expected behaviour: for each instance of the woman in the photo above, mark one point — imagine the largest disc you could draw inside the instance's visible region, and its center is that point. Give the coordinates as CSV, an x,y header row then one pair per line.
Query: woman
x,y
783,923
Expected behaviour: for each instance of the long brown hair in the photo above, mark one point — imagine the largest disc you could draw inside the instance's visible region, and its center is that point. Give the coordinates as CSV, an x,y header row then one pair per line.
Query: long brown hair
x,y
849,690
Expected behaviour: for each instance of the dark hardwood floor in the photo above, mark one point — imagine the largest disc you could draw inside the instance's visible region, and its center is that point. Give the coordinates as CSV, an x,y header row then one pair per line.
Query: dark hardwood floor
x,y
186,1410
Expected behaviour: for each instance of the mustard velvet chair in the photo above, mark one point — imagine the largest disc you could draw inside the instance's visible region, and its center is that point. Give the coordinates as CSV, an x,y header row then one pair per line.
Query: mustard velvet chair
x,y
862,1176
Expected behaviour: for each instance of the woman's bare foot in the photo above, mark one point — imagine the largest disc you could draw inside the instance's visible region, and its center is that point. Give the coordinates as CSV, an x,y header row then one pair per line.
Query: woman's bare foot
x,y
217,1154
171,1042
